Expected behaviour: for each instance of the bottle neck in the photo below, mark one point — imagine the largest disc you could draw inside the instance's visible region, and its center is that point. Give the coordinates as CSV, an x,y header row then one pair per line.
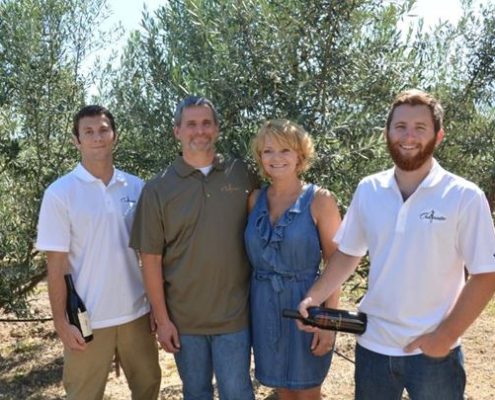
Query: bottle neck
x,y
69,282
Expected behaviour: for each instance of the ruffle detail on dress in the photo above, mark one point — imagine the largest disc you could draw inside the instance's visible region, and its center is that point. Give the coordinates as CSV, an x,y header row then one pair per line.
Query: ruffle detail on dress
x,y
272,236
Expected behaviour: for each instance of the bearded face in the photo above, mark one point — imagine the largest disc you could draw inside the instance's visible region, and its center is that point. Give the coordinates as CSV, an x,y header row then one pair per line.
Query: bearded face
x,y
412,158
411,137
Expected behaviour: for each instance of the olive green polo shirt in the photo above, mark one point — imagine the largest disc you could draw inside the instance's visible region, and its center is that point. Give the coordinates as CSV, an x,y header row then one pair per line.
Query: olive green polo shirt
x,y
197,223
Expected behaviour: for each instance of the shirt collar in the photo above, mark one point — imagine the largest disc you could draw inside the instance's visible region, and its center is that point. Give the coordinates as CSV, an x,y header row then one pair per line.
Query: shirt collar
x,y
84,175
435,176
387,179
183,169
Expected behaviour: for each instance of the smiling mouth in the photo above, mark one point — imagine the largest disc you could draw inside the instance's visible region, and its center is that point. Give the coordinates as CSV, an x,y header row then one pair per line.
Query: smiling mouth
x,y
410,147
201,140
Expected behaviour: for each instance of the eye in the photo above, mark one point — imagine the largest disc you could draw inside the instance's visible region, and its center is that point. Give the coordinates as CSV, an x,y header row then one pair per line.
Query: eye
x,y
267,151
286,150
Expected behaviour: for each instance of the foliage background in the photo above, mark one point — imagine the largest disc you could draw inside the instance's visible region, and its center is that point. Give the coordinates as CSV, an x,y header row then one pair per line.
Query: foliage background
x,y
333,66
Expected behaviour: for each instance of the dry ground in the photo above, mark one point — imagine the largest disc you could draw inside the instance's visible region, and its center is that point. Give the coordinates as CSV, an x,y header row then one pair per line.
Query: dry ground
x,y
31,363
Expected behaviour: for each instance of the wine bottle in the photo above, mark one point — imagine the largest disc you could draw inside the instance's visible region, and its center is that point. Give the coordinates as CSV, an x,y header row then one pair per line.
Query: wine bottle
x,y
76,310
331,319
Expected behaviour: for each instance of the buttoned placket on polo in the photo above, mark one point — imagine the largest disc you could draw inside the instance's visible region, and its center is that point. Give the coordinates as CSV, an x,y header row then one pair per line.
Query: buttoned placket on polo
x,y
204,184
429,180
107,190
205,179
184,170
400,225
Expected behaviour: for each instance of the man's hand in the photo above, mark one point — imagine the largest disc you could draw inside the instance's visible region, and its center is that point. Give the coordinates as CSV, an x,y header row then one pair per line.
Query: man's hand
x,y
303,310
432,344
323,342
168,337
70,336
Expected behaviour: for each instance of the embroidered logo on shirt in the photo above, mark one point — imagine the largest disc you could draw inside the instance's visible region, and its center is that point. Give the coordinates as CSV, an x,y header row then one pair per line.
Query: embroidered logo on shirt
x,y
432,216
126,199
229,188
128,205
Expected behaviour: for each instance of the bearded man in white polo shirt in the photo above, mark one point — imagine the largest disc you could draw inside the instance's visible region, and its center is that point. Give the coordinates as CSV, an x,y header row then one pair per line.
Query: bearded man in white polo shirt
x,y
420,225
84,225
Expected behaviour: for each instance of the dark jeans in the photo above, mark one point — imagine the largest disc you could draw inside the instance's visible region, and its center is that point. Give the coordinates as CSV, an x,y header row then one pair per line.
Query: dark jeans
x,y
380,377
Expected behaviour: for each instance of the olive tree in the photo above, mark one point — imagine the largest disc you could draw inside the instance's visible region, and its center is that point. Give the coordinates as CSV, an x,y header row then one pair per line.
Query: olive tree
x,y
43,44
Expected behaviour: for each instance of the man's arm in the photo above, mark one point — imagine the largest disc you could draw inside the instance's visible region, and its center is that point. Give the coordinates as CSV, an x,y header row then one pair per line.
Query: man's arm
x,y
58,266
474,297
168,337
326,215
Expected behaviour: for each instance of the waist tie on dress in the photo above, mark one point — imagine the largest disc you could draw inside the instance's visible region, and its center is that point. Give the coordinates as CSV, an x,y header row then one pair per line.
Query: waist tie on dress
x,y
277,280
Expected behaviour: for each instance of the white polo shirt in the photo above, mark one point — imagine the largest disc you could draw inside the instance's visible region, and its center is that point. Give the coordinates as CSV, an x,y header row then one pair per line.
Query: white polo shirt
x,y
91,221
417,249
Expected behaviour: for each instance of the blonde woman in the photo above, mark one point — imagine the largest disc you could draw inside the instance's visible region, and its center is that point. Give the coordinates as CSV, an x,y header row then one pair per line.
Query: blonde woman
x,y
289,231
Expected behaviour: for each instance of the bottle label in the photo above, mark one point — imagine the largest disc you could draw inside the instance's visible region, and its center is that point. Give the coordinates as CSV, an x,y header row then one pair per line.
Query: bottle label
x,y
84,321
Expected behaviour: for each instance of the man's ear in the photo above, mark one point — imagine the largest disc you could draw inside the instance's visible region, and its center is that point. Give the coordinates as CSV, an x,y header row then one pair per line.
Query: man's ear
x,y
76,141
440,136
176,132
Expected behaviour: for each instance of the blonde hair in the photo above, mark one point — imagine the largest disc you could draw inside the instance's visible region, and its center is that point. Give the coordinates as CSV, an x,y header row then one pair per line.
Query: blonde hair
x,y
287,133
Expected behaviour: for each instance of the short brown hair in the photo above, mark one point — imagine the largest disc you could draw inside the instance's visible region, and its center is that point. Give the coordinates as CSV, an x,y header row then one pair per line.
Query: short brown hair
x,y
288,133
415,97
93,110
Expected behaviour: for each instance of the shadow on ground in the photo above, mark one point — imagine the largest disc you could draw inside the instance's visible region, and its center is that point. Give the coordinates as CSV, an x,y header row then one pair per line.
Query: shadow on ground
x,y
32,383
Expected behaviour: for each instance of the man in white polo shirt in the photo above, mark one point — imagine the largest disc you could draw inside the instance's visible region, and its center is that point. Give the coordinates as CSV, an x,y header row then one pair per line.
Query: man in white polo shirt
x,y
420,225
83,226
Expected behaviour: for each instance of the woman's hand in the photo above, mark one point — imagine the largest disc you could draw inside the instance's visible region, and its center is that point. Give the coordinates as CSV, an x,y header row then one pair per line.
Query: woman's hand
x,y
323,342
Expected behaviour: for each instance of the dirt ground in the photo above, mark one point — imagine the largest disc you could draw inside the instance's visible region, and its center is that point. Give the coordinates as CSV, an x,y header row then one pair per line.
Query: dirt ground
x,y
31,363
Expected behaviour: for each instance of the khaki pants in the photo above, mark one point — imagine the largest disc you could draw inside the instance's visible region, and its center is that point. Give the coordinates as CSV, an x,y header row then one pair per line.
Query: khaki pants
x,y
86,372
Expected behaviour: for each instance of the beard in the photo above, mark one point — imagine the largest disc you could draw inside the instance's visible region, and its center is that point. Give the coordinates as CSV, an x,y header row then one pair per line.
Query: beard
x,y
201,144
411,163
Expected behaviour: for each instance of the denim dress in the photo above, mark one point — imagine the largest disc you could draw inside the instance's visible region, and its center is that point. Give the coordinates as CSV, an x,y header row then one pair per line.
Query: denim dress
x,y
285,260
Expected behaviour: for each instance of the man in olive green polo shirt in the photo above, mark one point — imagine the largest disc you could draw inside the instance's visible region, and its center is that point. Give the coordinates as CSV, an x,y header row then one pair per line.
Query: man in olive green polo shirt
x,y
188,229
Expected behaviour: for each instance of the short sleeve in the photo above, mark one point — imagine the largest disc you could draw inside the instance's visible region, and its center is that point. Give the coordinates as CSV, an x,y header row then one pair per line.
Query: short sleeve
x,y
147,233
477,236
351,237
53,224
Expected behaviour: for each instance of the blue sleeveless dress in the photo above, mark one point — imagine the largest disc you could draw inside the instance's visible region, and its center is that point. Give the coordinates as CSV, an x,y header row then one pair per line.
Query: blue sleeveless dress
x,y
285,260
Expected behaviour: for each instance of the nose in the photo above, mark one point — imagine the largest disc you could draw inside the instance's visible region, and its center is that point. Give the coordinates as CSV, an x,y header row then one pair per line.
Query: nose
x,y
410,133
98,136
199,130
